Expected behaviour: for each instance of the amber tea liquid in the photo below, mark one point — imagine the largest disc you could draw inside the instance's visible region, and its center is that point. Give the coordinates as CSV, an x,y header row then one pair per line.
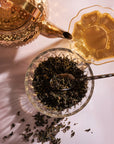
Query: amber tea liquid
x,y
93,36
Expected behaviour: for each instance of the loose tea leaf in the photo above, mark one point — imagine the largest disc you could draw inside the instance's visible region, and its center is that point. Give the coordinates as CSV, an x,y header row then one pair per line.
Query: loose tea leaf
x,y
72,133
66,129
12,125
10,134
69,123
75,123
18,113
5,137
87,130
22,120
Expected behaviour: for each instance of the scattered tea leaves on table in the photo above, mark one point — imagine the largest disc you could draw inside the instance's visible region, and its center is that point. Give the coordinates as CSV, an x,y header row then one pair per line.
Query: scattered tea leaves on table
x,y
8,136
44,129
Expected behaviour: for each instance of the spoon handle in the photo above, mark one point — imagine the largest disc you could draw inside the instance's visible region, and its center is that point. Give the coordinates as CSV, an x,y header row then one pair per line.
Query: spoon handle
x,y
100,76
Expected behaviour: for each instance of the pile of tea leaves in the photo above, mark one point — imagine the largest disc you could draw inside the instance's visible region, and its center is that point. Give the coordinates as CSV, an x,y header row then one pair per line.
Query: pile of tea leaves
x,y
45,129
55,98
42,129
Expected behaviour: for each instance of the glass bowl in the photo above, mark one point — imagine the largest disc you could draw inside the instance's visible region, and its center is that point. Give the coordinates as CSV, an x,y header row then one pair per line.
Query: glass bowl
x,y
93,38
43,56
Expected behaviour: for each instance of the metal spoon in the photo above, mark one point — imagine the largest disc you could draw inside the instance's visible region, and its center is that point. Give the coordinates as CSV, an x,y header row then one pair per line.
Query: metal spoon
x,y
58,82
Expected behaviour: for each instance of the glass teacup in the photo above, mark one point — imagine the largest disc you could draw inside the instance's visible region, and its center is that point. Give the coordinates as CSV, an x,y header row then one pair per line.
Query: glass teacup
x,y
93,34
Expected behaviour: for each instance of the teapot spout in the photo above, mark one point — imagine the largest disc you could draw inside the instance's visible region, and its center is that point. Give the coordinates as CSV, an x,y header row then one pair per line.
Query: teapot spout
x,y
51,31
47,29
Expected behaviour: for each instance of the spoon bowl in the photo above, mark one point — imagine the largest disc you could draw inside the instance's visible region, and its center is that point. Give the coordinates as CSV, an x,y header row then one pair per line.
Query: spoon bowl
x,y
66,81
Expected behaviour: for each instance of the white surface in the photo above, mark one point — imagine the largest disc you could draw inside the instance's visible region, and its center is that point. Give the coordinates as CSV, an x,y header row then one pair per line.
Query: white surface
x,y
97,115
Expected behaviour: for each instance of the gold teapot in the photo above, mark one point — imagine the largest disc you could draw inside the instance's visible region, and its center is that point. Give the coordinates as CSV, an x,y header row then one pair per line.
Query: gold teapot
x,y
23,20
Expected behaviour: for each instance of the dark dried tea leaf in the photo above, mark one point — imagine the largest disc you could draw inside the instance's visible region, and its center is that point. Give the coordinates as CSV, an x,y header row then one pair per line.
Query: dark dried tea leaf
x,y
87,130
18,113
5,137
22,120
10,134
72,134
12,125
